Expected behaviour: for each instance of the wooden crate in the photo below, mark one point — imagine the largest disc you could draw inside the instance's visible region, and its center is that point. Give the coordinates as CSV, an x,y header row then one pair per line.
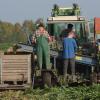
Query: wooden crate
x,y
15,68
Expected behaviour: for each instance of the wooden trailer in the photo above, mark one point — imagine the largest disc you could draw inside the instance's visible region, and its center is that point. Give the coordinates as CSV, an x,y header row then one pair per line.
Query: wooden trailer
x,y
15,71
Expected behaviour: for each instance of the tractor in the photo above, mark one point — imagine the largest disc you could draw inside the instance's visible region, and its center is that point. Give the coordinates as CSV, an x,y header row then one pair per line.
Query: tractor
x,y
87,55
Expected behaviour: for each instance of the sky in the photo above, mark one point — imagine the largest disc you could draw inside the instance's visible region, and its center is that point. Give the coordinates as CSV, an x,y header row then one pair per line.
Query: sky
x,y
20,10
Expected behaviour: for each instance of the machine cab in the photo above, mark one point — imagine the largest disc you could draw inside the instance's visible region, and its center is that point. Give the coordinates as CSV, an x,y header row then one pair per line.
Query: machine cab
x,y
56,25
60,19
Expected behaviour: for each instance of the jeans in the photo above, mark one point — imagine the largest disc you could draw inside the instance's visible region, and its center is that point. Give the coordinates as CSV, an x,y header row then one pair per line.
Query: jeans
x,y
70,61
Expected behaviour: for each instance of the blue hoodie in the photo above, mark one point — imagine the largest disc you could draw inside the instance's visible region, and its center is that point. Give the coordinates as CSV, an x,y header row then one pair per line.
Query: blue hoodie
x,y
69,48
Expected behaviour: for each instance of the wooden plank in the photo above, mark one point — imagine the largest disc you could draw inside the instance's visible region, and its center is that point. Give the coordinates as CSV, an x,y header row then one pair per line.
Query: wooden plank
x,y
14,61
14,57
18,72
12,77
14,74
8,73
15,65
14,87
9,58
17,78
14,71
16,68
20,60
21,57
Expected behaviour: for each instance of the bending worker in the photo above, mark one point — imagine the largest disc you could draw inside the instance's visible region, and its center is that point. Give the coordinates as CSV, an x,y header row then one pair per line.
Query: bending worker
x,y
41,38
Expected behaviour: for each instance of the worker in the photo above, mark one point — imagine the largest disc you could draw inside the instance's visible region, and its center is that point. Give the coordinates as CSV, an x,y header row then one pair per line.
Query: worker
x,y
41,38
69,48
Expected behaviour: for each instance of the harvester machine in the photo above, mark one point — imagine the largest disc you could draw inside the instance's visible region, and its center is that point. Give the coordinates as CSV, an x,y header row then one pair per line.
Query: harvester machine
x,y
87,55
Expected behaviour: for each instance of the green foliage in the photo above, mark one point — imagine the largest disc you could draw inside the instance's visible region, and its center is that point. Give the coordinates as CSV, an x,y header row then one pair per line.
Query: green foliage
x,y
14,32
54,93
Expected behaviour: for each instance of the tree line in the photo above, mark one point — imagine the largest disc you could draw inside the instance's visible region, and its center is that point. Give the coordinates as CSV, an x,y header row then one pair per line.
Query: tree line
x,y
17,32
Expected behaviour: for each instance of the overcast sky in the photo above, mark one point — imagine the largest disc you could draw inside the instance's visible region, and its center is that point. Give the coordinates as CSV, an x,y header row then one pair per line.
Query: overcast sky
x,y
20,10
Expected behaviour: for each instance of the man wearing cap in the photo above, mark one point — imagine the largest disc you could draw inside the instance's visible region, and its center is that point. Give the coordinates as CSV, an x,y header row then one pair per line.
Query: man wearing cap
x,y
65,32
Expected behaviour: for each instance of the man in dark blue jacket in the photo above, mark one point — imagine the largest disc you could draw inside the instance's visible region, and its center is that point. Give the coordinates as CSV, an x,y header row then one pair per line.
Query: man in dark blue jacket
x,y
69,49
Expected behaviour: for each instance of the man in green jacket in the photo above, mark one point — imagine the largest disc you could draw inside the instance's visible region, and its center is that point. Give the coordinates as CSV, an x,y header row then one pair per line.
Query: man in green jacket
x,y
42,38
